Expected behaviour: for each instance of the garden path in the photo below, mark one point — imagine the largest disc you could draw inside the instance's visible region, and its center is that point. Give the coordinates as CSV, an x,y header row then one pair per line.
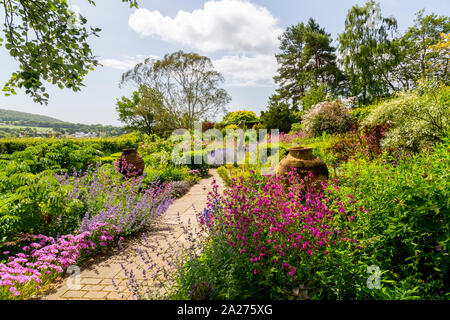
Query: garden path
x,y
96,277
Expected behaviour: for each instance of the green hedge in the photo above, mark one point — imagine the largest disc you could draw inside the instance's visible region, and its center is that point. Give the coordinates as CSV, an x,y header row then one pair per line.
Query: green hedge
x,y
106,145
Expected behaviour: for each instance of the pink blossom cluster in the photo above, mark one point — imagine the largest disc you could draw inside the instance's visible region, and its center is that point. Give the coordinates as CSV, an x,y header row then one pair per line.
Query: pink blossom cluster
x,y
127,169
288,138
47,255
194,172
273,224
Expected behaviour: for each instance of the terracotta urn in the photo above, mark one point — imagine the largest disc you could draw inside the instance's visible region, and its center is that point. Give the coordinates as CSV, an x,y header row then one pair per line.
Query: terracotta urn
x,y
304,161
131,156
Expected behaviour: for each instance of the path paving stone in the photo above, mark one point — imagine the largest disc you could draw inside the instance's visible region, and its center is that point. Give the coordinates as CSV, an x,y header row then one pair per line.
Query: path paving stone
x,y
96,279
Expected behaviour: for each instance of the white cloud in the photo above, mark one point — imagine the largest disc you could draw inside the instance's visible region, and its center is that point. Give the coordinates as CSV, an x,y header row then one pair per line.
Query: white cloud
x,y
231,25
238,70
126,62
244,71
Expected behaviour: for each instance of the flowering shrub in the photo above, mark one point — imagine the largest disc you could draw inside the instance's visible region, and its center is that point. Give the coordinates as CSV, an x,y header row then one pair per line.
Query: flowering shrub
x,y
416,119
329,117
234,118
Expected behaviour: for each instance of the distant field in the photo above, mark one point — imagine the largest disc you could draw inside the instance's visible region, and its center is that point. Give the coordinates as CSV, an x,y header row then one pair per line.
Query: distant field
x,y
39,129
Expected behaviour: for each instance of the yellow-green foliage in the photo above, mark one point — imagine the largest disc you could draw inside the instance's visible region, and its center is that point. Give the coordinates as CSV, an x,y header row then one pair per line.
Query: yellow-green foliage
x,y
230,172
223,173
237,116
111,158
231,127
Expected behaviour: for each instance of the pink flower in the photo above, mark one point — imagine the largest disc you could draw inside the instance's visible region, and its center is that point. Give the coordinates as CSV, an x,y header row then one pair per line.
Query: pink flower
x,y
292,272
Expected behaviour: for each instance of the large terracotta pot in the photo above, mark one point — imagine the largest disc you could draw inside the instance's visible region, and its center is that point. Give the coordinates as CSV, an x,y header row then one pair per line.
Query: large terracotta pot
x,y
304,161
131,156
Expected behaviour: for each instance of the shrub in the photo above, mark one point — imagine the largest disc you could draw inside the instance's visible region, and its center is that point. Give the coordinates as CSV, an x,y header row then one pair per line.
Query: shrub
x,y
416,119
313,96
230,173
98,205
188,158
365,143
46,257
360,113
258,126
292,137
329,117
173,174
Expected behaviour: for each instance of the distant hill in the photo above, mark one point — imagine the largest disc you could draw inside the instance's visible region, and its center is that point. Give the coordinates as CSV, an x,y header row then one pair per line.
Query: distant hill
x,y
14,123
10,115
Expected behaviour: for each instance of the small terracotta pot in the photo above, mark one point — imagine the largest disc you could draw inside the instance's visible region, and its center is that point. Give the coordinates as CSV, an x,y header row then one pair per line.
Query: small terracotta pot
x,y
304,161
131,156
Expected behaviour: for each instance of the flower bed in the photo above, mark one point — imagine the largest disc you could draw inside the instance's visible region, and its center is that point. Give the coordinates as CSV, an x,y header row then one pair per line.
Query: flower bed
x,y
112,207
47,256
266,239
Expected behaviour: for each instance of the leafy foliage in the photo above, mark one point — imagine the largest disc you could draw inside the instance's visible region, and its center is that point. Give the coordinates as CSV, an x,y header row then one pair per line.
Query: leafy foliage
x,y
106,145
416,56
406,229
145,112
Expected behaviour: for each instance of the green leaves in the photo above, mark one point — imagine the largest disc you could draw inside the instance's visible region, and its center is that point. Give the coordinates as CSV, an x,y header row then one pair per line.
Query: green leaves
x,y
48,47
408,215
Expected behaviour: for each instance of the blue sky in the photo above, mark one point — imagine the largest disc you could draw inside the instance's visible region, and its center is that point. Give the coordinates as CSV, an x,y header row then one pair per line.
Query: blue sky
x,y
239,36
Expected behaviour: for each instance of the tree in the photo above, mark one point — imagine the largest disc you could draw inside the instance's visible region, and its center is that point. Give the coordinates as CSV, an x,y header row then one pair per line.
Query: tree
x,y
416,54
366,50
145,112
279,115
49,43
306,60
188,83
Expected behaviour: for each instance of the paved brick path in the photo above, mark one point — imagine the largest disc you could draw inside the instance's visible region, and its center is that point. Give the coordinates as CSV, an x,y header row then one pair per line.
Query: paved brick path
x,y
96,278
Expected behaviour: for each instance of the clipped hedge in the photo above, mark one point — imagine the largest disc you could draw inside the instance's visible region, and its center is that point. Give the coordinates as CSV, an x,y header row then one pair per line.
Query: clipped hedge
x,y
106,145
